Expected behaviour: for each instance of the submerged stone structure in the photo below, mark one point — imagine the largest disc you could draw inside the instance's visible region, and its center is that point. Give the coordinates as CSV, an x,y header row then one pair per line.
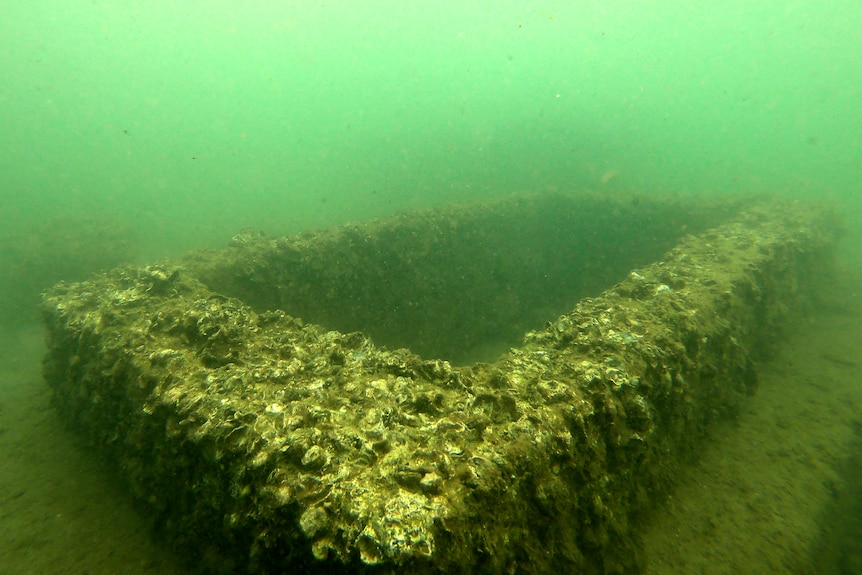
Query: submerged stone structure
x,y
244,401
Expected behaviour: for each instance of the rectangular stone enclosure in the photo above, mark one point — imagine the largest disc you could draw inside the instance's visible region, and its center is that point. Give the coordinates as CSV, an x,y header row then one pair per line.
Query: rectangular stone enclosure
x,y
495,387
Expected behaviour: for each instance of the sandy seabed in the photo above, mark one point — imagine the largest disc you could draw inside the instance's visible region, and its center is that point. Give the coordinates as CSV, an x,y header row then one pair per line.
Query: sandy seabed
x,y
777,490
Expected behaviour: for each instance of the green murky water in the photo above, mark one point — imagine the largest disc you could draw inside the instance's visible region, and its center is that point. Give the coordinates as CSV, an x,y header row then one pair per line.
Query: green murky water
x,y
150,128
187,121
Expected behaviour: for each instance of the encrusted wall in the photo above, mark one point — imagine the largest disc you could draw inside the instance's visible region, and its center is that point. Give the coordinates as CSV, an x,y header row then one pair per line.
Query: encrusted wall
x,y
263,443
462,282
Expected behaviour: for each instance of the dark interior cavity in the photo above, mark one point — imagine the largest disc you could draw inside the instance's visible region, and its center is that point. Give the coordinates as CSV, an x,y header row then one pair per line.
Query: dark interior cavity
x,y
461,283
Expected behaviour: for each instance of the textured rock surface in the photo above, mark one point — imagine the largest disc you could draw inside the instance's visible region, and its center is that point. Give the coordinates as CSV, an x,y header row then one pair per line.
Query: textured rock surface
x,y
264,443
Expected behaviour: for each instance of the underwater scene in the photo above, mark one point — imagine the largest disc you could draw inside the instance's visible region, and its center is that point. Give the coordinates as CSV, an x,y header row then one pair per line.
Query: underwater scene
x,y
522,288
